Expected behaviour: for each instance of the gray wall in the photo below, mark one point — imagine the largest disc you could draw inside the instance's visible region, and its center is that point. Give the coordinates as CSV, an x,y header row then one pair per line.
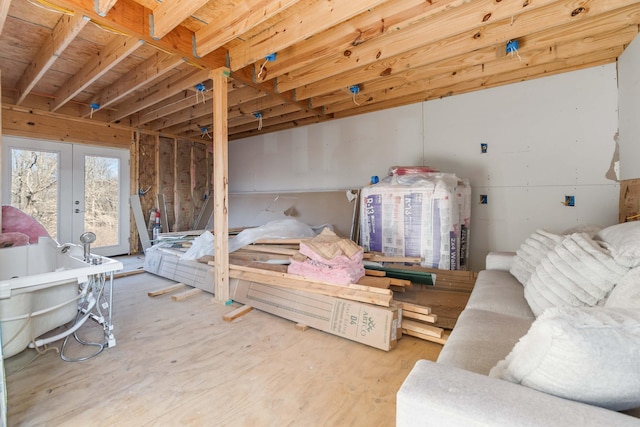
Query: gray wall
x,y
629,89
546,138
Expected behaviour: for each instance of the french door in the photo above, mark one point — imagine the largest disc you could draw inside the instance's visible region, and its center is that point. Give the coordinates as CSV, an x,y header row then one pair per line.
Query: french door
x,y
70,189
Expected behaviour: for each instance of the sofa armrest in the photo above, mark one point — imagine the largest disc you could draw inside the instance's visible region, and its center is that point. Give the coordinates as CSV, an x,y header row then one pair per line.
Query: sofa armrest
x,y
439,395
499,260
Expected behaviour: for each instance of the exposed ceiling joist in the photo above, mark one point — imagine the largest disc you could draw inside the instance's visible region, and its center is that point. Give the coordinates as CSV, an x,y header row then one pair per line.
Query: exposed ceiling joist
x,y
65,31
169,14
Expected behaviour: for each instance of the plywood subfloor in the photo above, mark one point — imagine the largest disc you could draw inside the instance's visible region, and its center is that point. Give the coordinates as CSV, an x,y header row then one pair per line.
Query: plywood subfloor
x,y
179,363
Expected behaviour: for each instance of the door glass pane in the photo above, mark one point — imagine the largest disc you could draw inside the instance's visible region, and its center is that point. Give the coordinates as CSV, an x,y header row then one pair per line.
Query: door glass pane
x,y
34,186
101,199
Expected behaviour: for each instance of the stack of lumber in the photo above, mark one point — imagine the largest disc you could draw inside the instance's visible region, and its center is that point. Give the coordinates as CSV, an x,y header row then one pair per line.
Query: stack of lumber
x,y
418,322
258,263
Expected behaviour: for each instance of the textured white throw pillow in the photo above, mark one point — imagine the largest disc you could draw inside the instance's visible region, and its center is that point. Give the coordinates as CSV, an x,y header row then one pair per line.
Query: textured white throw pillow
x,y
531,251
626,293
589,354
623,241
578,272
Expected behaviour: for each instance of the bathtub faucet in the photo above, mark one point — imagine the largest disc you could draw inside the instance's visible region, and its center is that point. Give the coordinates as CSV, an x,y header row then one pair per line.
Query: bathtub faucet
x,y
87,238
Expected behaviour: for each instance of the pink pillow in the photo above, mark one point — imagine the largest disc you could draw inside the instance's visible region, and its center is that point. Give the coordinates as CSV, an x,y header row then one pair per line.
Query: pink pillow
x,y
14,220
8,240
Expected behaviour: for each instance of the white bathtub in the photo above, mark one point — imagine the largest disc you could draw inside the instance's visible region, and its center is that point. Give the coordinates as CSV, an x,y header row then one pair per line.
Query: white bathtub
x,y
39,289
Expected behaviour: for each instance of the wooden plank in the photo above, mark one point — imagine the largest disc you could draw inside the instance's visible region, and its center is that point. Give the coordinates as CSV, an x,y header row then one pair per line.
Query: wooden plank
x,y
432,331
375,282
162,90
629,209
386,18
65,31
238,312
4,11
430,318
375,273
383,258
295,28
270,249
114,53
220,184
102,7
138,216
186,294
241,18
440,340
512,19
279,241
401,282
166,290
153,68
407,306
169,14
291,281
301,327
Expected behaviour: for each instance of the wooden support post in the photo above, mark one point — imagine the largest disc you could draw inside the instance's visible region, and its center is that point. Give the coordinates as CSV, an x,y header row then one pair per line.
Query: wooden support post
x,y
220,184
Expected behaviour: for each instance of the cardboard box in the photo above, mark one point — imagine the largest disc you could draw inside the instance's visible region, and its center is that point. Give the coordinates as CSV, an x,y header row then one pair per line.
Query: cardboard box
x,y
368,324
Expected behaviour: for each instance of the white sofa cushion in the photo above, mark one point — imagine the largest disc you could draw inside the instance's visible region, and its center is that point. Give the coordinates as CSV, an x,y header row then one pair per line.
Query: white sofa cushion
x,y
623,241
589,354
577,272
530,252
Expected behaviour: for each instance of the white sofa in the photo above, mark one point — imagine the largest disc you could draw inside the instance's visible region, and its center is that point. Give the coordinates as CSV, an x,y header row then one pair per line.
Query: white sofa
x,y
458,391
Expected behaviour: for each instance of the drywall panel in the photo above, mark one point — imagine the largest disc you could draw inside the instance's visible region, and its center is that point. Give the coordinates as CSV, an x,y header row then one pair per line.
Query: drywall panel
x,y
629,94
502,224
335,155
546,139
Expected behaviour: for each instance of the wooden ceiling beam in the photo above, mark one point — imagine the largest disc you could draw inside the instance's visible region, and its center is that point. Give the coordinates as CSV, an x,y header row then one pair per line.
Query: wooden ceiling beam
x,y
535,62
169,14
512,21
284,126
161,91
65,31
452,54
4,12
102,7
271,116
245,110
114,53
151,69
384,19
295,28
243,16
131,18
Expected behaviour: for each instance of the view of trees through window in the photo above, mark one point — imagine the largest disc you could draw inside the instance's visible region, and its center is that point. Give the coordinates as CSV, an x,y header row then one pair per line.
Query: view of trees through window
x,y
101,199
34,186
34,190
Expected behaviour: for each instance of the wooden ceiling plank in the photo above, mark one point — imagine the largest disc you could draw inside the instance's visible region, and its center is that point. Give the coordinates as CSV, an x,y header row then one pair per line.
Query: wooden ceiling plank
x,y
102,7
153,68
296,28
169,14
161,91
533,61
511,22
197,110
65,31
244,16
112,55
411,63
4,12
384,19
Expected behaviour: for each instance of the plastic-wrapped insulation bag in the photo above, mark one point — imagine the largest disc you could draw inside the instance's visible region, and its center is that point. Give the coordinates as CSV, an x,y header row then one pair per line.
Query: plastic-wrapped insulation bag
x,y
417,215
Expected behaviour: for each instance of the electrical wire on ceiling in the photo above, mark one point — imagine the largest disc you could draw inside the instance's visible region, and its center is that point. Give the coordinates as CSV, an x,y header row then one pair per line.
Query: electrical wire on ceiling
x,y
43,4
